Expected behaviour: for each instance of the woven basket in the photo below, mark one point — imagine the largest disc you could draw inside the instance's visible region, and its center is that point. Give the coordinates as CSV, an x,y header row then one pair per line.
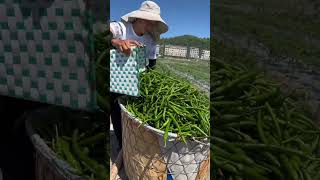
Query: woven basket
x,y
47,165
145,155
47,45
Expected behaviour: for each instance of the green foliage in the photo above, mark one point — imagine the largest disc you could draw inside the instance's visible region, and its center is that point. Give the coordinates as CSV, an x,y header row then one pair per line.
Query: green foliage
x,y
284,27
187,40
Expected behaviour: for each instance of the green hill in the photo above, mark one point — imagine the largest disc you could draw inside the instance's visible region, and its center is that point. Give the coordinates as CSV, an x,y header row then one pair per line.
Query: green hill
x,y
187,40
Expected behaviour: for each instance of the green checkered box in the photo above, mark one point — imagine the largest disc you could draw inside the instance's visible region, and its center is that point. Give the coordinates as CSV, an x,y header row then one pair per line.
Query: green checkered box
x,y
124,71
46,50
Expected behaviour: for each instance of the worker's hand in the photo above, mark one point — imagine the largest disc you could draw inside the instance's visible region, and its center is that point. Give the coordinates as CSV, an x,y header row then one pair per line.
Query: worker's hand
x,y
124,45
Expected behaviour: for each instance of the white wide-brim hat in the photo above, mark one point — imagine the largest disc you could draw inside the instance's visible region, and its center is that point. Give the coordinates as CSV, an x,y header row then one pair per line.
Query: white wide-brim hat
x,y
149,10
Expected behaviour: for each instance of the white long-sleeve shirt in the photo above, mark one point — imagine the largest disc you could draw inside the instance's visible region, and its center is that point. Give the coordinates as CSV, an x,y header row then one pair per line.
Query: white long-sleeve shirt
x,y
125,31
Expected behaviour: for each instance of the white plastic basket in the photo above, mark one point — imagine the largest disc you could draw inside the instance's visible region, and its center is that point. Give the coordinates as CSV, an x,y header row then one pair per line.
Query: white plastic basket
x,y
146,156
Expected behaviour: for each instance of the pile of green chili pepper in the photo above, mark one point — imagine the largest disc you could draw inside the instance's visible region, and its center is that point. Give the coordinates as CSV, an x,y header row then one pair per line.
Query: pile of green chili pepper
x,y
171,105
258,132
80,140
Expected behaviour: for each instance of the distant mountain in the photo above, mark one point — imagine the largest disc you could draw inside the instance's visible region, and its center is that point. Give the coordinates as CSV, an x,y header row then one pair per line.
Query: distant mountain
x,y
187,40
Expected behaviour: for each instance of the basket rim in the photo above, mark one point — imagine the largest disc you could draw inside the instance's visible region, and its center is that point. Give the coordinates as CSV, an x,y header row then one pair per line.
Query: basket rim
x,y
46,152
203,140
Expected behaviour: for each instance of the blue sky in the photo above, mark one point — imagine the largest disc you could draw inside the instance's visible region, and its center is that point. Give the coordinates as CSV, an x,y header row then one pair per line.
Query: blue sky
x,y
183,16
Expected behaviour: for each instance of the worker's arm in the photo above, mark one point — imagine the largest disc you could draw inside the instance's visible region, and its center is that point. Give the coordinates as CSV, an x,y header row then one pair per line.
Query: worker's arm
x,y
117,42
112,37
124,45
